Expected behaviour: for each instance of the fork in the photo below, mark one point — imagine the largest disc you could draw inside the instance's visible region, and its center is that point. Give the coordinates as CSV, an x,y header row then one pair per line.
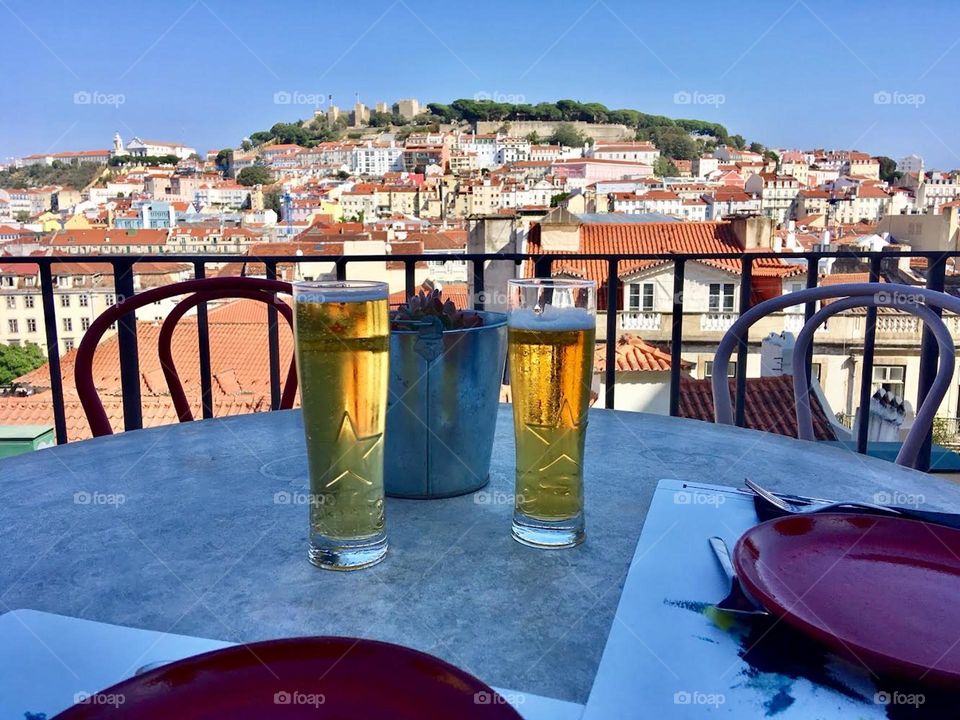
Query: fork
x,y
798,509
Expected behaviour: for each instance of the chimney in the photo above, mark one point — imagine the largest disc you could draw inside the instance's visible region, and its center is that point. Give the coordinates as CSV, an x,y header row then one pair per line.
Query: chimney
x,y
753,231
777,243
776,354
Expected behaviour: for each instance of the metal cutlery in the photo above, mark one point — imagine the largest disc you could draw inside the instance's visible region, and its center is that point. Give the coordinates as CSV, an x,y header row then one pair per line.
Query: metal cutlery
x,y
795,508
737,601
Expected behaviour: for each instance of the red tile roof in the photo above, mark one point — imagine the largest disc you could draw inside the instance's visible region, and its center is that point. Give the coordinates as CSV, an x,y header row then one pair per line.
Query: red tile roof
x,y
769,405
634,354
240,372
661,238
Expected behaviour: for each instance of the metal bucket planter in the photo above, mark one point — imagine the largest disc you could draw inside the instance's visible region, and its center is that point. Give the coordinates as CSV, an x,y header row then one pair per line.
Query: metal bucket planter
x,y
442,407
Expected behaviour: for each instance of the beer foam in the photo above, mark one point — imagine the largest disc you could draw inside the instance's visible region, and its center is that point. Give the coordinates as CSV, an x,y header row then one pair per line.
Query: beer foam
x,y
323,294
552,318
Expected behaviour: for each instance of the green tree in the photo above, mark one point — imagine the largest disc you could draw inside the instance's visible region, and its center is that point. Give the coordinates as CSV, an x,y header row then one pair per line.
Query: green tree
x,y
771,155
18,360
224,158
566,134
446,112
380,119
757,147
664,167
534,138
21,216
888,169
737,141
272,201
555,200
674,142
342,175
254,175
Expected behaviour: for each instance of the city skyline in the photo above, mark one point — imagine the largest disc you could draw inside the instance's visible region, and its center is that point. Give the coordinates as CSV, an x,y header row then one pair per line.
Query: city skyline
x,y
792,74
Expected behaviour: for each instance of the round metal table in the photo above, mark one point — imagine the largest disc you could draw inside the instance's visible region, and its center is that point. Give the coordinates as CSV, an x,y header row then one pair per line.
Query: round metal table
x,y
199,529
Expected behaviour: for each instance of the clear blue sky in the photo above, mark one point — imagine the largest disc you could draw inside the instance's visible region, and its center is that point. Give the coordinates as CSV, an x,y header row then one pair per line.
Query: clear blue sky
x,y
796,73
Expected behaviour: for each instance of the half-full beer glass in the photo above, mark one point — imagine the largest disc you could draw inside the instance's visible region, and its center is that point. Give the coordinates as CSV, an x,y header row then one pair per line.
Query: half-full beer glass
x,y
551,336
342,340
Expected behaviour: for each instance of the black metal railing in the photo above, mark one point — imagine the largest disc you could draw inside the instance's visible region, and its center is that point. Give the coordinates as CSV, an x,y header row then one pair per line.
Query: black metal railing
x,y
541,265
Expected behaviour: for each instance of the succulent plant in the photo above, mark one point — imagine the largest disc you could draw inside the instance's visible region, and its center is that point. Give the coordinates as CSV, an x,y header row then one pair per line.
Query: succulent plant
x,y
427,306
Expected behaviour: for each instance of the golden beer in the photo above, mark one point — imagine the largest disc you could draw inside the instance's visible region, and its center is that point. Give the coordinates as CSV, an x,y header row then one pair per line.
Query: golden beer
x,y
342,344
551,369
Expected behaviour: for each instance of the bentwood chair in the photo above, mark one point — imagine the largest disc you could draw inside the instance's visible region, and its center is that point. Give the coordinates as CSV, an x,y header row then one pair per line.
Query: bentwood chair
x,y
906,298
197,291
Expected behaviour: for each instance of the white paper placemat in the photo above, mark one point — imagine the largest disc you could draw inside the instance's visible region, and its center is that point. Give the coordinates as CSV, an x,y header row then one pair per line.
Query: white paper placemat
x,y
668,656
48,662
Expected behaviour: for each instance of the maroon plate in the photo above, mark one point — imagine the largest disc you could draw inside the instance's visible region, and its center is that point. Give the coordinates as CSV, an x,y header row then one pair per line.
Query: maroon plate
x,y
321,678
883,591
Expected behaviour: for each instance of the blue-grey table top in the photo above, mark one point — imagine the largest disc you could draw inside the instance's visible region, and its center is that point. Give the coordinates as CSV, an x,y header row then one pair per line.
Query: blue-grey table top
x,y
198,529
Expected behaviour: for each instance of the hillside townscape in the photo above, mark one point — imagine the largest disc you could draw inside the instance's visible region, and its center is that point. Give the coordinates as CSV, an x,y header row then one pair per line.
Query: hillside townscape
x,y
409,178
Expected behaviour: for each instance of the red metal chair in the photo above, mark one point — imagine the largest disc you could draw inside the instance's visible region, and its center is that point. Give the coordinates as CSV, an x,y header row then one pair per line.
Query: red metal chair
x,y
198,291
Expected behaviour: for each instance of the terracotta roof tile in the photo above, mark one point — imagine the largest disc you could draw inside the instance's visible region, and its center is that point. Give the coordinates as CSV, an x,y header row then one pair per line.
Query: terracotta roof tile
x,y
634,354
240,371
769,405
662,238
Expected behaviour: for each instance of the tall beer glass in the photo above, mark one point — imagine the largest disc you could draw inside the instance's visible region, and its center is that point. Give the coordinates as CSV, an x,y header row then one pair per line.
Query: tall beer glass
x,y
342,340
551,336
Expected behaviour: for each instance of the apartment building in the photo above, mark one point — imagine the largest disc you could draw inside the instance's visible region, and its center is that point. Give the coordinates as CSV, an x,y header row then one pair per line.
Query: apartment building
x,y
376,159
638,152
778,194
651,201
81,290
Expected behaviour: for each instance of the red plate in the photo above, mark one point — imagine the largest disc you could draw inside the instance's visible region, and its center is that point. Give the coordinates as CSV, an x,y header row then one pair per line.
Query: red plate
x,y
321,678
883,591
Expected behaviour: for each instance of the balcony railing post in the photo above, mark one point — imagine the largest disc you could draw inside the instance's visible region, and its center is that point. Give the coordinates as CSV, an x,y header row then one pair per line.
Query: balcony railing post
x,y
53,352
929,355
610,374
676,336
273,342
409,276
203,345
129,357
813,273
341,267
745,283
542,266
866,373
479,289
